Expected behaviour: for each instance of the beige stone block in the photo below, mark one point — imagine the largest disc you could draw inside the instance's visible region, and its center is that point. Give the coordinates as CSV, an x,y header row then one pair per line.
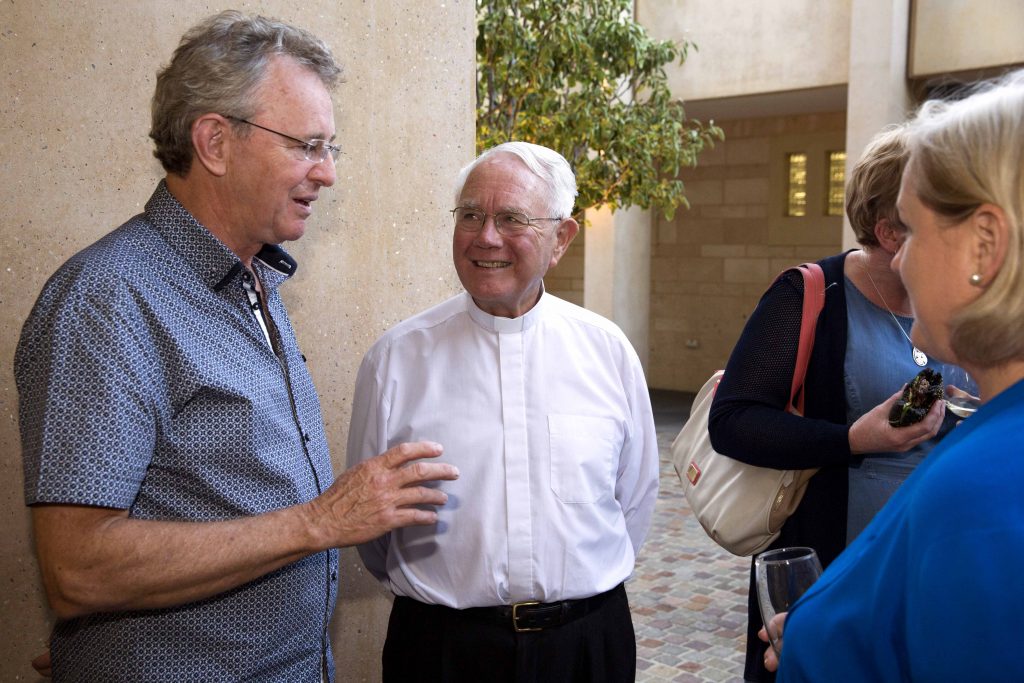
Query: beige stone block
x,y
556,284
664,269
748,151
754,290
745,171
699,269
703,172
815,230
574,297
678,250
675,287
807,124
746,269
570,265
699,230
721,289
766,126
723,251
667,232
746,191
662,342
728,211
670,325
770,251
745,232
816,252
703,192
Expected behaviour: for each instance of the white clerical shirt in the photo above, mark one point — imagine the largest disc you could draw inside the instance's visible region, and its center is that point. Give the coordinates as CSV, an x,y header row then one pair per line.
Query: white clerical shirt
x,y
548,419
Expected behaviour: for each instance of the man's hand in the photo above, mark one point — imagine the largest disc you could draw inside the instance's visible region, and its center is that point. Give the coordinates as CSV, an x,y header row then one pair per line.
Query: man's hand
x,y
381,494
101,560
872,433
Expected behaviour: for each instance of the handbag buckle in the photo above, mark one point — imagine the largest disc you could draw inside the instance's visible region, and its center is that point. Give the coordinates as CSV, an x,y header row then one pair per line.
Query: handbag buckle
x,y
693,473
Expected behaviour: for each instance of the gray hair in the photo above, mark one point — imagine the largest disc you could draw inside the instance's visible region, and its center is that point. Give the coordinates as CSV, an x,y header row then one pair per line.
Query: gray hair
x,y
546,164
216,68
964,154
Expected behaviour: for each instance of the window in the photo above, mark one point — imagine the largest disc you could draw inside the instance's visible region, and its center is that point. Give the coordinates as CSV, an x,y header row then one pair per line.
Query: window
x,y
836,183
796,194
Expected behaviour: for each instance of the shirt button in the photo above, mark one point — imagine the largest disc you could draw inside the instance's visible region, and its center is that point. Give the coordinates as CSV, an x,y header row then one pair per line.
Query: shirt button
x,y
334,576
305,437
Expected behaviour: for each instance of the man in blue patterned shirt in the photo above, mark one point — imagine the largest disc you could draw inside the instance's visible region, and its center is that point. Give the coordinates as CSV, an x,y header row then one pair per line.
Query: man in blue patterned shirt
x,y
185,513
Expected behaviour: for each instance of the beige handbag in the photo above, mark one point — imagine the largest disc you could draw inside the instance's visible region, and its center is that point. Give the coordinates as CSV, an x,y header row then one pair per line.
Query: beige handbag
x,y
743,507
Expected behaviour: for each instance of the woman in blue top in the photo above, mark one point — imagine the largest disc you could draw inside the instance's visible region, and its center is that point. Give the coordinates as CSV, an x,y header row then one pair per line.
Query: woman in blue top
x,y
930,591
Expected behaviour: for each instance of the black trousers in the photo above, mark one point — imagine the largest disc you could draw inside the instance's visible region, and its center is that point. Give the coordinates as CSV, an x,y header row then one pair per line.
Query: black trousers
x,y
430,643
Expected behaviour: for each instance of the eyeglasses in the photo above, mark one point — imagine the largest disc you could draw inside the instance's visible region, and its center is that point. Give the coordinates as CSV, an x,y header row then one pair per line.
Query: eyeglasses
x,y
508,223
313,150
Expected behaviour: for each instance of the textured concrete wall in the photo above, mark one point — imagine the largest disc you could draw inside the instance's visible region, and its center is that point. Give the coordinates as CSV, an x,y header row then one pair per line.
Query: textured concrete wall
x,y
710,265
749,47
75,161
974,35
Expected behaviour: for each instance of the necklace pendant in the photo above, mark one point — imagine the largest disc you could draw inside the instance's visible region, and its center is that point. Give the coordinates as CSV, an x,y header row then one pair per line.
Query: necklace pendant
x,y
920,358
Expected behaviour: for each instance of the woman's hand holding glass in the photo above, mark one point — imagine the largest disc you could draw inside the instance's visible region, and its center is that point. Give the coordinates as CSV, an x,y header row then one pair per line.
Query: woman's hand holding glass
x,y
771,657
958,392
782,576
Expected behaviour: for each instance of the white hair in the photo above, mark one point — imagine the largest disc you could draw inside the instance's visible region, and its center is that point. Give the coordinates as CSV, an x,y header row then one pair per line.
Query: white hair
x,y
546,164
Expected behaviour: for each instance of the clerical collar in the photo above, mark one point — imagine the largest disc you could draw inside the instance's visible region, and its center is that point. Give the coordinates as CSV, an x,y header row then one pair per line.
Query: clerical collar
x,y
501,325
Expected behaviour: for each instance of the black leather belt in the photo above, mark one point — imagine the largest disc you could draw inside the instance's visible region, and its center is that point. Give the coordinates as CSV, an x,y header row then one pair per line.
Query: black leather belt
x,y
525,617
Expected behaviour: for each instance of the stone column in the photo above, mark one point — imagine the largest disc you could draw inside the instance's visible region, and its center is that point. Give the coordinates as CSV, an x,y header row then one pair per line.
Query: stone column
x,y
75,162
877,92
617,271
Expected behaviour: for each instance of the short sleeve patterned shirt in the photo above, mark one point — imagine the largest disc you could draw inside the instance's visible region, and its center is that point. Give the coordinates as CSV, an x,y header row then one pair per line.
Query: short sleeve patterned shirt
x,y
146,383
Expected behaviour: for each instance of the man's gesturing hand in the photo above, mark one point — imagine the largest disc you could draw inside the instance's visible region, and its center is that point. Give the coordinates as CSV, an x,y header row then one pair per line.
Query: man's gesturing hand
x,y
381,494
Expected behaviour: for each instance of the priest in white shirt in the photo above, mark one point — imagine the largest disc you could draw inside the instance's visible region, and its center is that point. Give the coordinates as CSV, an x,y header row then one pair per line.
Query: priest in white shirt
x,y
543,407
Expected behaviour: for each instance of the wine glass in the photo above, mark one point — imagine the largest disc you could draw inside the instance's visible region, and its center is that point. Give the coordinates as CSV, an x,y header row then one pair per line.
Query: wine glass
x,y
959,391
783,575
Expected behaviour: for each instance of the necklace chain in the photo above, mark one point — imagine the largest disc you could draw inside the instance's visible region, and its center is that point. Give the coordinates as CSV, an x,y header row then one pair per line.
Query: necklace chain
x,y
918,354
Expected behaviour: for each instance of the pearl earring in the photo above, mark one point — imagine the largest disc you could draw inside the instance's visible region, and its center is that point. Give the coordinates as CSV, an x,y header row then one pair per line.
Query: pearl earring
x,y
976,279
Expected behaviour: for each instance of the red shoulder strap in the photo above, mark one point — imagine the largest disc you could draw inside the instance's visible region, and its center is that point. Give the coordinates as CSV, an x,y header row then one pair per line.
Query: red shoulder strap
x,y
814,301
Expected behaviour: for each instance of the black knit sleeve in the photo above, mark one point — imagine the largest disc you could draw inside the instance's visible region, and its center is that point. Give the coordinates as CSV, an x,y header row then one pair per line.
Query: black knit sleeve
x,y
748,419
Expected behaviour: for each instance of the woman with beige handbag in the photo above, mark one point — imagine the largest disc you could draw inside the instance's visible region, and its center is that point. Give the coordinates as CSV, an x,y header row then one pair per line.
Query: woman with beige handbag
x,y
862,357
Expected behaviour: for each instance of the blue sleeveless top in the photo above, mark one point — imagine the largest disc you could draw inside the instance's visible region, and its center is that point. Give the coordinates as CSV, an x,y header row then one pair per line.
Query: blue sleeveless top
x,y
879,360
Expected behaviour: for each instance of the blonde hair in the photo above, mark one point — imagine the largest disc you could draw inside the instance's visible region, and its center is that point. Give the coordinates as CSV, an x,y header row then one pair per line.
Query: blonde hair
x,y
964,154
874,183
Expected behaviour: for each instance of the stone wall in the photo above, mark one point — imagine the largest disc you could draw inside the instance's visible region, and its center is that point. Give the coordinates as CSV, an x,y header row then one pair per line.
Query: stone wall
x,y
566,279
711,263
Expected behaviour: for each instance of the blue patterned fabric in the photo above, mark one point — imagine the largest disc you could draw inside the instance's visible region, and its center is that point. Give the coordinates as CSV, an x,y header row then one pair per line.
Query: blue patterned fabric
x,y
146,384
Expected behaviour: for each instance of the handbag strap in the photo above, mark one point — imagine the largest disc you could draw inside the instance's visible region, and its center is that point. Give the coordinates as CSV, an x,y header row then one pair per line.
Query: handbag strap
x,y
814,302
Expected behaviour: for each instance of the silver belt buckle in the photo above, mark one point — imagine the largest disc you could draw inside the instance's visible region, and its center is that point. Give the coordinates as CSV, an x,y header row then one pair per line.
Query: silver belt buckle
x,y
515,617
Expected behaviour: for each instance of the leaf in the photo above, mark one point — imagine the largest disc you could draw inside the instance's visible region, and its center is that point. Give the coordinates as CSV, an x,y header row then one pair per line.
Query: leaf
x,y
583,78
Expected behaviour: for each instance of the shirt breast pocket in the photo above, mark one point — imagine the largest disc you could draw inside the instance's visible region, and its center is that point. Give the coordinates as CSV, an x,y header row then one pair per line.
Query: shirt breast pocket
x,y
583,453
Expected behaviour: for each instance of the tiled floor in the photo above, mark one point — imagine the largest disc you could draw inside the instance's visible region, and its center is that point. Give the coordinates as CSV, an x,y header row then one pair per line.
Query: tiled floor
x,y
688,595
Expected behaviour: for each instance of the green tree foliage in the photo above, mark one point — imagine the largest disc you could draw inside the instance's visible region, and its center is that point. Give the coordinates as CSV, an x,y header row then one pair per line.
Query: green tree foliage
x,y
583,78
